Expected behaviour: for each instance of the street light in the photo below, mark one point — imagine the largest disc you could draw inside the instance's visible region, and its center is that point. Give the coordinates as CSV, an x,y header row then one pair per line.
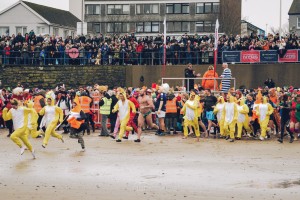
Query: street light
x,y
280,16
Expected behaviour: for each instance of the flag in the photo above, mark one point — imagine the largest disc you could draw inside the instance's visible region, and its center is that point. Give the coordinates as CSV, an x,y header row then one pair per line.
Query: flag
x,y
217,34
216,47
165,30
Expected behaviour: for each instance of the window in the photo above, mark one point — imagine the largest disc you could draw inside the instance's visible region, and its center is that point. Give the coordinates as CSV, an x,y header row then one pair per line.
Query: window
x,y
178,26
147,27
4,31
205,26
66,33
178,8
118,9
298,23
146,9
21,29
40,29
96,27
56,31
207,8
117,27
92,9
199,26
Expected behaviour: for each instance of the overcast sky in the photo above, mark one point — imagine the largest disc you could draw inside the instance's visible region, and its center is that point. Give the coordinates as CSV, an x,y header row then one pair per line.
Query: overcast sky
x,y
258,12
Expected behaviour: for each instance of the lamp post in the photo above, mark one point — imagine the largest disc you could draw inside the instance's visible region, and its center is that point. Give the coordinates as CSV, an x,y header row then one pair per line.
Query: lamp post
x,y
280,19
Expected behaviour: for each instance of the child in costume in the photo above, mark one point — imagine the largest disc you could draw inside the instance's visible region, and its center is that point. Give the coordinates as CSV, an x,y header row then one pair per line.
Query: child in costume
x,y
243,118
19,116
263,111
190,110
77,123
230,116
52,115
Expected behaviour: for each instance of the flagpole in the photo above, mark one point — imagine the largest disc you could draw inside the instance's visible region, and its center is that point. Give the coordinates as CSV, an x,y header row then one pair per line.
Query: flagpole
x,y
216,46
165,47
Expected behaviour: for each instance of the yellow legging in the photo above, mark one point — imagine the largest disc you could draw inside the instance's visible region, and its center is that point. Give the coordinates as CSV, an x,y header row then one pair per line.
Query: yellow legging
x,y
33,132
264,126
20,135
51,131
221,126
124,127
240,126
229,128
188,123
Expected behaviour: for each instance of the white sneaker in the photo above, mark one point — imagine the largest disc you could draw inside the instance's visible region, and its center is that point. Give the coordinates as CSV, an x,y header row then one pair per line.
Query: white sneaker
x,y
23,150
33,154
83,150
261,138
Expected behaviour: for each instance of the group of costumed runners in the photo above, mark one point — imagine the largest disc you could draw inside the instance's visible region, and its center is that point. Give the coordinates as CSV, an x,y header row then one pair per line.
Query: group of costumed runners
x,y
43,114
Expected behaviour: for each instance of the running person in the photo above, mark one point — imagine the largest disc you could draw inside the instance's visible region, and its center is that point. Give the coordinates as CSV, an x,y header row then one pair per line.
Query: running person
x,y
146,106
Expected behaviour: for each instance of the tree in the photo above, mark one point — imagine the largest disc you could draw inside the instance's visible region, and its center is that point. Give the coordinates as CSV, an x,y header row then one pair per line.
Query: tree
x,y
230,16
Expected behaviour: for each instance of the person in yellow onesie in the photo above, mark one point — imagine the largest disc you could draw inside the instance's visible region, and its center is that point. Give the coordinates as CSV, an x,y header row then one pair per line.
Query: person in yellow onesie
x,y
243,118
52,115
123,106
32,121
263,111
218,111
19,116
230,115
190,110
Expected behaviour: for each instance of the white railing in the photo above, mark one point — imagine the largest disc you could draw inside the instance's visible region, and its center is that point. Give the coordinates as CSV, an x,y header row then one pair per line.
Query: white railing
x,y
164,80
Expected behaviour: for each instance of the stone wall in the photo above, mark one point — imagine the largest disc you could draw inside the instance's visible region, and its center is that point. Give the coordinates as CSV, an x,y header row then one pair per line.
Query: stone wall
x,y
72,76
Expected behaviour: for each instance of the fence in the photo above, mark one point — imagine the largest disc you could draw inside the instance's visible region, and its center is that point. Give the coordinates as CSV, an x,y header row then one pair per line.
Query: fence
x,y
74,57
185,82
147,57
255,56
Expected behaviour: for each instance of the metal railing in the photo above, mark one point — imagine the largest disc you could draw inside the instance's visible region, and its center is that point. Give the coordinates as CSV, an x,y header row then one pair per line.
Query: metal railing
x,y
149,57
186,82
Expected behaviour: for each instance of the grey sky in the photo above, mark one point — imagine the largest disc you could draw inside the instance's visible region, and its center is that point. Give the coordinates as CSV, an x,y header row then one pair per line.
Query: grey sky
x,y
258,12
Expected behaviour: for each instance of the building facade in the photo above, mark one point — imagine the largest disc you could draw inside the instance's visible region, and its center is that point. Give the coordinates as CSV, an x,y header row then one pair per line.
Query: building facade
x,y
22,17
247,28
294,17
145,17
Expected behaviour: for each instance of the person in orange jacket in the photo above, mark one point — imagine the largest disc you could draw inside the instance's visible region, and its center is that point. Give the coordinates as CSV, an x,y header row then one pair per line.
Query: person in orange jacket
x,y
210,83
77,123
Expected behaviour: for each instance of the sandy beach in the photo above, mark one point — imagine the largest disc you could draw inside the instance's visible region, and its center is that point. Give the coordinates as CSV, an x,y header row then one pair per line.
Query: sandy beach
x,y
157,168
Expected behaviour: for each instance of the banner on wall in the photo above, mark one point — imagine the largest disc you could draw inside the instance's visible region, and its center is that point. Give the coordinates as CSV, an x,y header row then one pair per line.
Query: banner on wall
x,y
250,57
231,56
289,56
253,56
268,56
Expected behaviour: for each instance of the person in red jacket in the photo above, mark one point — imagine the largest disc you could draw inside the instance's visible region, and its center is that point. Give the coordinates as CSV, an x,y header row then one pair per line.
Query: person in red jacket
x,y
6,53
132,115
139,50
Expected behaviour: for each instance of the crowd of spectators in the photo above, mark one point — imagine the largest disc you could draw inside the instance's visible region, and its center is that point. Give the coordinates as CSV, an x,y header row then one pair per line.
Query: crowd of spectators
x,y
128,49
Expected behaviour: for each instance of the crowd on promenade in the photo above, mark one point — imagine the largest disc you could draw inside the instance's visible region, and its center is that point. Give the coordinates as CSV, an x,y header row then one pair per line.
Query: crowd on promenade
x,y
128,49
227,113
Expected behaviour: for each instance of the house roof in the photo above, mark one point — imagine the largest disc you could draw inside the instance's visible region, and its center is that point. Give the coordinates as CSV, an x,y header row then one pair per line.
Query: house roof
x,y
295,8
53,15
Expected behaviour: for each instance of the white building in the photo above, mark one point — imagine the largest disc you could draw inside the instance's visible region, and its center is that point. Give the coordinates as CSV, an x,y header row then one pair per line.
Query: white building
x,y
22,17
